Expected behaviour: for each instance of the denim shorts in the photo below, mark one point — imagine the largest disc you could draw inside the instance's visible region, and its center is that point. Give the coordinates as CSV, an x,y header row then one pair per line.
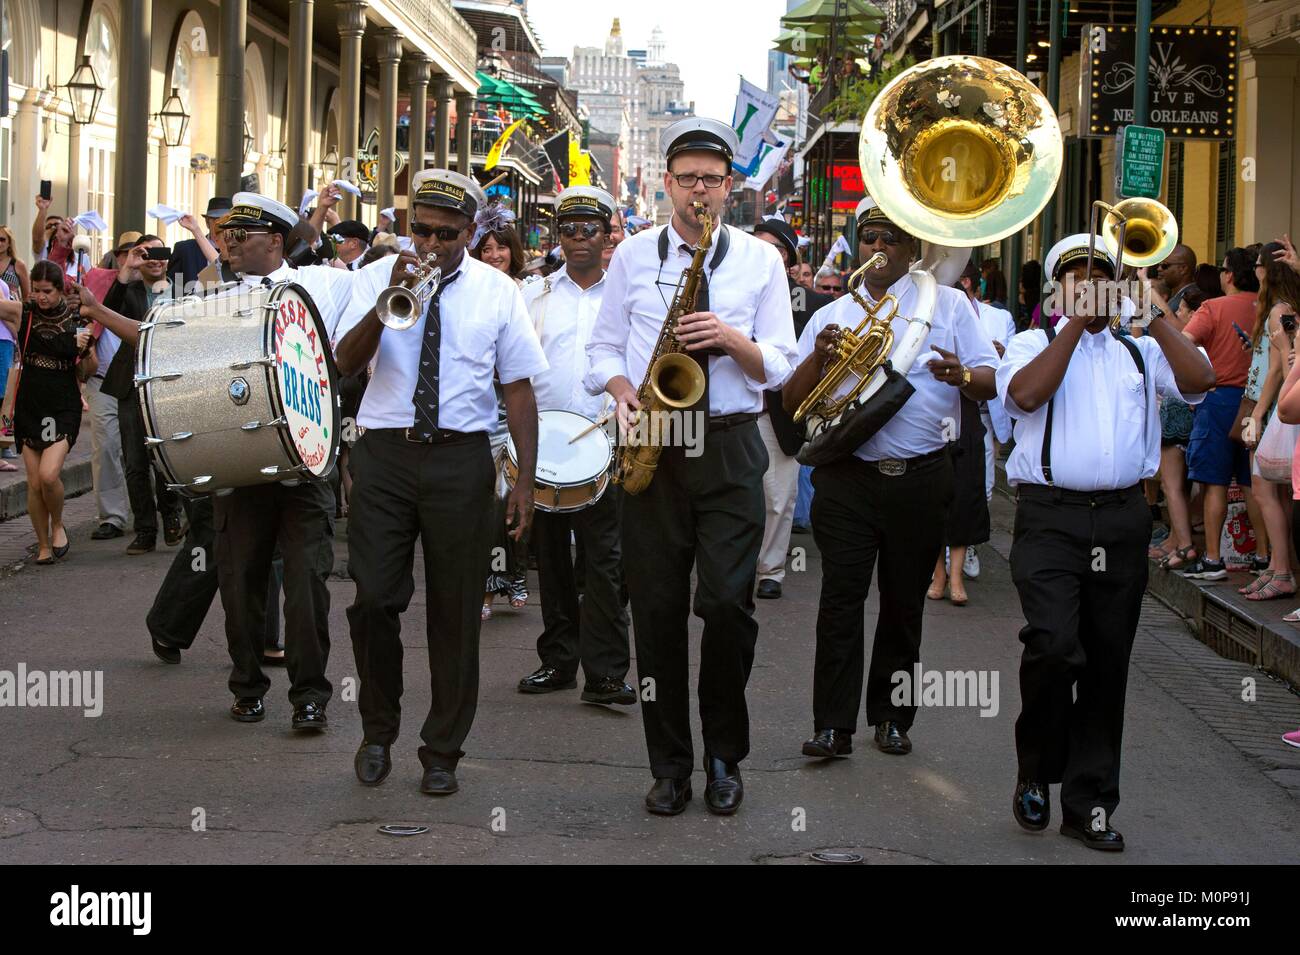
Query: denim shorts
x,y
1212,458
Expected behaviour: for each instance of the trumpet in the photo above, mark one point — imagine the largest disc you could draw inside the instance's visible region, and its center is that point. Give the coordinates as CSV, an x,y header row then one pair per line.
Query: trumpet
x,y
400,307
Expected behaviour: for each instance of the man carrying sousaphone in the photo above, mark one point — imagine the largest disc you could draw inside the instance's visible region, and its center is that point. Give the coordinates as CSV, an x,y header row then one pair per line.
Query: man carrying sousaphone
x,y
704,504
884,502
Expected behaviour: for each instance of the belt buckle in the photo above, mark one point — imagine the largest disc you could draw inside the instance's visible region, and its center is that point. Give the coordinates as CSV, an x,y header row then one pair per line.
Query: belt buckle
x,y
891,467
416,440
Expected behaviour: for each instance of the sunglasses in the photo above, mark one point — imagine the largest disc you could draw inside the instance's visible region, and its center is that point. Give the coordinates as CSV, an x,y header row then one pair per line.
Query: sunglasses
x,y
589,230
870,236
444,233
238,234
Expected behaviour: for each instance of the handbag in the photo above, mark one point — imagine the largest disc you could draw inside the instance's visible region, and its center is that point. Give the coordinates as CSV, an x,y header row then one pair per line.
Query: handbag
x,y
15,378
1244,411
1275,450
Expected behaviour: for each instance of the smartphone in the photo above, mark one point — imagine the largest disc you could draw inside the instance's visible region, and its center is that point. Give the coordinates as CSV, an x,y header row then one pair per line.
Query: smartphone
x,y
1288,324
158,253
47,189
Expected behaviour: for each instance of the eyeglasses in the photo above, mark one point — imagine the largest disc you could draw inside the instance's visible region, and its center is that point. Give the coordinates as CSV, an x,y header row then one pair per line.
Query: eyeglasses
x,y
687,180
444,233
869,237
238,234
589,230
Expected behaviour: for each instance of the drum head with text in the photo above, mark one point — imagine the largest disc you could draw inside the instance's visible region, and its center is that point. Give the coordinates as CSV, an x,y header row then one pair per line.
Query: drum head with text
x,y
305,379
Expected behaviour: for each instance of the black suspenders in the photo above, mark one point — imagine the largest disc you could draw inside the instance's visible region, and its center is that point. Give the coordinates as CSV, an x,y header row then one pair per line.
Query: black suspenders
x,y
1136,354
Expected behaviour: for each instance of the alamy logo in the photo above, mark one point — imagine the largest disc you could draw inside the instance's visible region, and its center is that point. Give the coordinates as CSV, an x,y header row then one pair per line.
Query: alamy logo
x,y
77,688
977,688
75,908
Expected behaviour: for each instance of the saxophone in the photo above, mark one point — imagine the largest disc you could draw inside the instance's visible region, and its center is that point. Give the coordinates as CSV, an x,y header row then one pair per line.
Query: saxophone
x,y
673,380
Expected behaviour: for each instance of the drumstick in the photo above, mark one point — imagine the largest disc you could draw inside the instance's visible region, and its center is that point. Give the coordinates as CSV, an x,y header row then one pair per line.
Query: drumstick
x,y
489,185
586,431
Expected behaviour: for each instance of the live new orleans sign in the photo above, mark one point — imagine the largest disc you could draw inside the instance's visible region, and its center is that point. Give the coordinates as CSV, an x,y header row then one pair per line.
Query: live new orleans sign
x,y
1192,78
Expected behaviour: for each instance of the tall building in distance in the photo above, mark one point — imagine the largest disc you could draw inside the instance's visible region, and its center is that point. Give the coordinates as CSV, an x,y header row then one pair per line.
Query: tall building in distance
x,y
606,81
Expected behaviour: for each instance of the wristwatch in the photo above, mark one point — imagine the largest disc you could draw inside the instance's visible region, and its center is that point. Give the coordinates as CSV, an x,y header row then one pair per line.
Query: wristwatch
x,y
965,377
1154,312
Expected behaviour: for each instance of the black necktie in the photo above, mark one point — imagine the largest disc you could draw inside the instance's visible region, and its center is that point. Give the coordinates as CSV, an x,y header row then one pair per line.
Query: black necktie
x,y
702,356
425,398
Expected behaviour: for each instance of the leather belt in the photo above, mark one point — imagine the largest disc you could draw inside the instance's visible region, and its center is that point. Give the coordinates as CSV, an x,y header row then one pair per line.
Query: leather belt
x,y
1059,495
896,467
725,421
443,436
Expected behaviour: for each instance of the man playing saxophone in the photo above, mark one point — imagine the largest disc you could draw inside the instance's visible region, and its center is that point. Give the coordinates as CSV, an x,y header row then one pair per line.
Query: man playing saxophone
x,y
886,501
703,506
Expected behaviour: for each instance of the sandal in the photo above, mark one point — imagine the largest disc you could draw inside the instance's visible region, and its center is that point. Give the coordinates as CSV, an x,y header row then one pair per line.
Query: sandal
x,y
1179,558
487,612
933,594
1279,585
956,599
1162,550
519,601
1293,616
6,466
1258,583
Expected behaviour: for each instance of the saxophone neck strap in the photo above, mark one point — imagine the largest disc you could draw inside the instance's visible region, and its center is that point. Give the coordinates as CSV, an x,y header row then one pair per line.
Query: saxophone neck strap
x,y
721,243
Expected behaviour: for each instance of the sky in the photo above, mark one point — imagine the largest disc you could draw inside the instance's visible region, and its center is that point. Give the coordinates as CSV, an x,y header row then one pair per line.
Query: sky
x,y
713,43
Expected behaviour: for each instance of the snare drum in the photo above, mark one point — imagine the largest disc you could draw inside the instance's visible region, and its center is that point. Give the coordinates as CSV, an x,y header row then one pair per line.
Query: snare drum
x,y
238,388
569,476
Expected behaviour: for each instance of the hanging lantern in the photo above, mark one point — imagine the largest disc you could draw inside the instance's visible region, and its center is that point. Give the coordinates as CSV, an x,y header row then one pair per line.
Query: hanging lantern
x,y
174,119
85,93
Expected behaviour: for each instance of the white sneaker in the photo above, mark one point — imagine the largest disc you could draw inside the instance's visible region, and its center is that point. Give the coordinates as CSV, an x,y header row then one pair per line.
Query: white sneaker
x,y
971,565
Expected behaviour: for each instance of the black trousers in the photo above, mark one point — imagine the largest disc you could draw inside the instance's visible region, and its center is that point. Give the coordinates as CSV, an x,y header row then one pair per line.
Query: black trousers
x,y
183,600
592,628
861,518
1081,570
146,491
705,511
251,522
442,495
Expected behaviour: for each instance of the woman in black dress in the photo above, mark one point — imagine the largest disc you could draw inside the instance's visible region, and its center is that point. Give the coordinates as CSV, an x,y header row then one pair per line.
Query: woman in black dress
x,y
47,407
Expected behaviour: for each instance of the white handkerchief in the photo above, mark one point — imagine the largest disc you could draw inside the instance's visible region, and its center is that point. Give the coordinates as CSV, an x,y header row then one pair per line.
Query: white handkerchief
x,y
165,214
308,198
925,359
91,220
348,187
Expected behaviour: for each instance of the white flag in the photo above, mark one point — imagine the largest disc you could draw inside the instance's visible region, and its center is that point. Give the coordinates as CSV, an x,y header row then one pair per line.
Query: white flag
x,y
769,160
841,245
755,110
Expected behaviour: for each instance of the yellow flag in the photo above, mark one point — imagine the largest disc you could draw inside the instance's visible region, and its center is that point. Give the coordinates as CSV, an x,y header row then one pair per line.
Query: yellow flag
x,y
498,147
579,165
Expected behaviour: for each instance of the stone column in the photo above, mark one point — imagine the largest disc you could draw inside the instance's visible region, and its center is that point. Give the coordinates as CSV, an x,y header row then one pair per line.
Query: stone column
x,y
390,58
1267,196
133,118
297,159
464,113
230,98
419,77
442,134
352,26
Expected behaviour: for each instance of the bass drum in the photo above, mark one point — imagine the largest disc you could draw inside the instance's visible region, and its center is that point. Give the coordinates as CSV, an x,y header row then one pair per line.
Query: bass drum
x,y
238,388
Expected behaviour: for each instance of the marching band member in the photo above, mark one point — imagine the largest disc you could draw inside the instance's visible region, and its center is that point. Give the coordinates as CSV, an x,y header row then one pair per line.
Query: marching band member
x,y
887,500
593,629
781,436
704,505
423,469
1087,432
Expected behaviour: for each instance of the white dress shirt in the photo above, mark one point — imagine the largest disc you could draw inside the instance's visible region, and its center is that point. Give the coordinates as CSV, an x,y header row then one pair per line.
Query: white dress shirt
x,y
748,292
1000,327
485,327
563,315
932,415
1105,422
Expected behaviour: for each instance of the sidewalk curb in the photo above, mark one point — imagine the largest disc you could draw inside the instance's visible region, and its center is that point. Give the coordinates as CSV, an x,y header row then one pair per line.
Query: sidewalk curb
x,y
13,498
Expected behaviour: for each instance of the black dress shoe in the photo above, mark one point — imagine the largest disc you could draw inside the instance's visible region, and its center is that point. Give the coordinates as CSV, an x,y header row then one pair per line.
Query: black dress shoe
x,y
173,529
1105,840
608,690
62,552
1032,805
668,797
142,544
439,781
310,716
724,791
891,739
769,589
372,764
828,743
546,680
163,652
106,531
248,709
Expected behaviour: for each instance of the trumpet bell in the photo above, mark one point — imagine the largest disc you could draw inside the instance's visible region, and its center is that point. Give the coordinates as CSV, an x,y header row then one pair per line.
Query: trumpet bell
x,y
960,150
1150,232
398,308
